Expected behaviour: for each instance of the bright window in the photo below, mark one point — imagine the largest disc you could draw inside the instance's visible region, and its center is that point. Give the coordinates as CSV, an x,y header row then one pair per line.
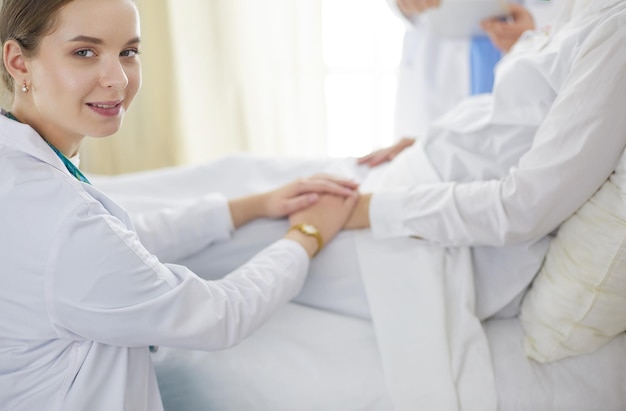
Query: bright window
x,y
362,41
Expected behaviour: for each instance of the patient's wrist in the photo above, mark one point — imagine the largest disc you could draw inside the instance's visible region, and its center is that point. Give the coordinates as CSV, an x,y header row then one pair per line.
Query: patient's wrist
x,y
360,217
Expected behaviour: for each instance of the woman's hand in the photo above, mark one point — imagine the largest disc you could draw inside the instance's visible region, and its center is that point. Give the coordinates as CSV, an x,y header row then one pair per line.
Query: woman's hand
x,y
386,154
504,33
295,196
304,192
410,7
328,215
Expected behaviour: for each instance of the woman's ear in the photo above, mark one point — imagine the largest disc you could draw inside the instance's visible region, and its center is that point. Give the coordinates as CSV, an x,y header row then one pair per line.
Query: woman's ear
x,y
14,60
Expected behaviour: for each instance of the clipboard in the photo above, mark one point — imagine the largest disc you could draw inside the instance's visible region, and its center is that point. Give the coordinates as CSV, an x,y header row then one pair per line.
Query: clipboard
x,y
461,18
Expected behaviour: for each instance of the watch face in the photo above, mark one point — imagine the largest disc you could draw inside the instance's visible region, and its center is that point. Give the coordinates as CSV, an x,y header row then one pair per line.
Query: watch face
x,y
309,229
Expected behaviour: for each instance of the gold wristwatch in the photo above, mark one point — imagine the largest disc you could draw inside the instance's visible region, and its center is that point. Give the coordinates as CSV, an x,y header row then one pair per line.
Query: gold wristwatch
x,y
310,230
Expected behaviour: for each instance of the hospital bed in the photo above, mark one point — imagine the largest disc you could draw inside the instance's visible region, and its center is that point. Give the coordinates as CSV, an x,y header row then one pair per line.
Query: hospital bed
x,y
312,358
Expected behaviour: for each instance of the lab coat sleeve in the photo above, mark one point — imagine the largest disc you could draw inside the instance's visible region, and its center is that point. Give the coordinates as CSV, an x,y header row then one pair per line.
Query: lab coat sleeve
x,y
574,151
101,284
176,232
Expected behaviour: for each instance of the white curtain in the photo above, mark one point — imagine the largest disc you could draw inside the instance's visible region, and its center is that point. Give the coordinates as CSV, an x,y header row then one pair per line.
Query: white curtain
x,y
221,76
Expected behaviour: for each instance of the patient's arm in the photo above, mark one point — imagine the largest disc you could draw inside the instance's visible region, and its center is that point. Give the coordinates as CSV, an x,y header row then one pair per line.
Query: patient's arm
x,y
360,215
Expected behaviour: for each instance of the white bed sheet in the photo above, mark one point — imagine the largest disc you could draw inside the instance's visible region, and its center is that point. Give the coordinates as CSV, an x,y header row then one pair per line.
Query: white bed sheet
x,y
308,359
302,359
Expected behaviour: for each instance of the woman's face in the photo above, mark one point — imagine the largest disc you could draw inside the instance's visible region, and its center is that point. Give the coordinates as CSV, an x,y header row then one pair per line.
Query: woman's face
x,y
87,71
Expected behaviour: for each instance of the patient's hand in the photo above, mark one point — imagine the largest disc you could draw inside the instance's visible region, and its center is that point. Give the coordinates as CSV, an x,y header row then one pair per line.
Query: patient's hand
x,y
386,154
504,33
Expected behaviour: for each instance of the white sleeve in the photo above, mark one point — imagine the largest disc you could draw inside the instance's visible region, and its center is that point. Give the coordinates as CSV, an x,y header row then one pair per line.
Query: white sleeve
x,y
103,285
573,153
176,232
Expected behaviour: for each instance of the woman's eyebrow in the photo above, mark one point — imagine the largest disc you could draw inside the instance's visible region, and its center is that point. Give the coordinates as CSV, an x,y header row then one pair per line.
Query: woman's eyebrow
x,y
95,40
87,39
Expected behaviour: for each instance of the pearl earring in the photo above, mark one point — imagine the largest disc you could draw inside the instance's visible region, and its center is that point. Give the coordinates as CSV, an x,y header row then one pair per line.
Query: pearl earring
x,y
25,87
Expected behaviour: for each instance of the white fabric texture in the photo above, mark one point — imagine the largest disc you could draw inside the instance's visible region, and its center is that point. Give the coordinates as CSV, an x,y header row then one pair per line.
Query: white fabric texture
x,y
577,303
82,298
302,359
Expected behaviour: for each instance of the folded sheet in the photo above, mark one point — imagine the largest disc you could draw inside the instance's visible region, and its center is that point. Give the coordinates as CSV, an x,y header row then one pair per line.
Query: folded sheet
x,y
422,301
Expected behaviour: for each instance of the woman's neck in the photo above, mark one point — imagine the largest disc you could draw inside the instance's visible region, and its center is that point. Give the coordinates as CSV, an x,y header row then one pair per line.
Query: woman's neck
x,y
68,147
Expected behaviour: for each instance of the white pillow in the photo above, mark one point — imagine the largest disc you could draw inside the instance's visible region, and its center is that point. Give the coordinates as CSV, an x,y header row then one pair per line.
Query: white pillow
x,y
577,303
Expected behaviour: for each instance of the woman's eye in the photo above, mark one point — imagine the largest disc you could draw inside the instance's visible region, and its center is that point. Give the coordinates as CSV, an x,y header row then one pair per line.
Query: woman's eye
x,y
129,53
85,53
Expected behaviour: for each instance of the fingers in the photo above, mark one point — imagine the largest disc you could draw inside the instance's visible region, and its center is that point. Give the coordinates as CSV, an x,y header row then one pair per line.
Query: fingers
x,y
499,34
505,32
366,159
301,202
409,7
326,184
374,159
387,154
302,193
351,184
517,11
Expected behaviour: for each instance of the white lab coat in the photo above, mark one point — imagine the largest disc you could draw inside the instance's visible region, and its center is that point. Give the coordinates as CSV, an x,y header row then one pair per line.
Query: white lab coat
x,y
434,72
82,298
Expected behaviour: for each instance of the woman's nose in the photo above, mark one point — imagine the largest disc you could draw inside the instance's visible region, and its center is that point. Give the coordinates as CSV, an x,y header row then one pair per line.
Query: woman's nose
x,y
114,75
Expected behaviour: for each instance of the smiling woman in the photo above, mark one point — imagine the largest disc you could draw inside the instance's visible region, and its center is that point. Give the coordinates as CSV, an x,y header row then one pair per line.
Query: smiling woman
x,y
76,85
82,291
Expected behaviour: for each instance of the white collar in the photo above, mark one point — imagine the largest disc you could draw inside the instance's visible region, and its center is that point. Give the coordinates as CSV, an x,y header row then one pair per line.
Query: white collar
x,y
24,138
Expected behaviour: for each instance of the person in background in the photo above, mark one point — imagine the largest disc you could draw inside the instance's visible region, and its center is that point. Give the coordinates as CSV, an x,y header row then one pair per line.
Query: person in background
x,y
437,72
83,292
